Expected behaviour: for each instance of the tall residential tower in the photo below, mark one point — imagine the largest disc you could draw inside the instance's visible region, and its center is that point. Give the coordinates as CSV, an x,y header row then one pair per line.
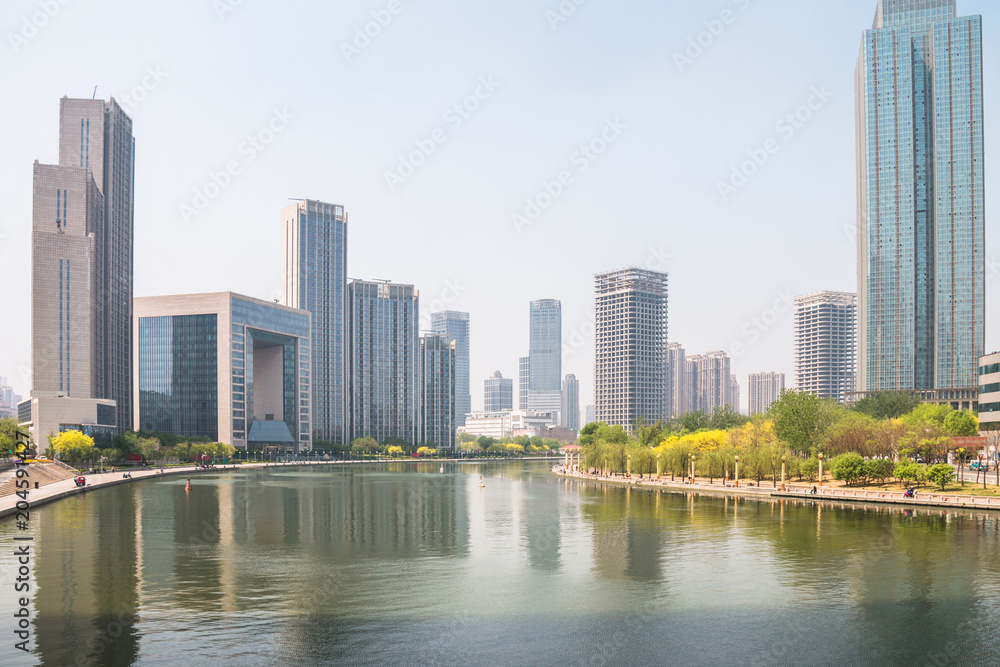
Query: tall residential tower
x,y
456,326
825,342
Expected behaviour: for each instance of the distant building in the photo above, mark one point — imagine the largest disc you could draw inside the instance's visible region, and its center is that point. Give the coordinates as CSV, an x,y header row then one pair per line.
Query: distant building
x,y
989,392
8,400
677,385
498,393
570,417
765,389
734,393
438,372
220,366
523,382
456,326
712,384
509,424
589,415
825,344
549,402
545,346
382,356
631,347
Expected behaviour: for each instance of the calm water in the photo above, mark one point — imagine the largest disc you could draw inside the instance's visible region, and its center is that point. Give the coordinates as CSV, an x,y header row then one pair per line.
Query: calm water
x,y
401,564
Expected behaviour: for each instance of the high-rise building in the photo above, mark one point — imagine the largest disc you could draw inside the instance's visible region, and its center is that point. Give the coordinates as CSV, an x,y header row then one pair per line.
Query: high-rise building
x,y
456,325
921,208
825,344
382,361
523,382
8,400
631,347
226,367
82,273
438,373
677,385
571,403
498,393
314,278
765,389
545,346
589,415
712,382
734,393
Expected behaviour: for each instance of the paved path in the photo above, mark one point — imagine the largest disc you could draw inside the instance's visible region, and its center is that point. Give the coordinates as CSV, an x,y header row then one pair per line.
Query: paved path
x,y
823,493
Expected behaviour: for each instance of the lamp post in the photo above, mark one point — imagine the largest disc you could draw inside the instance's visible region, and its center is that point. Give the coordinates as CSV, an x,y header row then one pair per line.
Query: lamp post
x,y
783,459
692,468
605,466
659,466
628,469
737,472
821,468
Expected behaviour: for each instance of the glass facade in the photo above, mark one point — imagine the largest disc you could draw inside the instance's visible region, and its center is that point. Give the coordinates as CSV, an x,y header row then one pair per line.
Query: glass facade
x,y
438,374
545,347
921,268
456,326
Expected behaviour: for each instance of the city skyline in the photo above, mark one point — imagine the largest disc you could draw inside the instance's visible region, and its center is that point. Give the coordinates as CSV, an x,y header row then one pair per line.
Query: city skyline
x,y
263,185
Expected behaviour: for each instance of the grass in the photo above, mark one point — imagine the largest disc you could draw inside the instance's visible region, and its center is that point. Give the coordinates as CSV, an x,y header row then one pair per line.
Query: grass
x,y
971,488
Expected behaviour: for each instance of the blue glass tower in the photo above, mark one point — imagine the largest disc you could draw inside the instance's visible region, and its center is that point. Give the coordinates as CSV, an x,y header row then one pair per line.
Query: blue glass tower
x,y
921,225
456,326
314,278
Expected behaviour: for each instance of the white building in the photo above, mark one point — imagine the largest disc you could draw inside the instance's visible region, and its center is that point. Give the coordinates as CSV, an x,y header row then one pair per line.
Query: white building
x,y
765,389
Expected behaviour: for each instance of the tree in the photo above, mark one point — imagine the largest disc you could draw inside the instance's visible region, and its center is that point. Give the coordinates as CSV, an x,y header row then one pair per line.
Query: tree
x,y
10,443
426,451
907,471
809,469
127,443
73,446
886,404
149,448
941,474
961,423
725,418
854,432
364,445
880,469
848,467
798,419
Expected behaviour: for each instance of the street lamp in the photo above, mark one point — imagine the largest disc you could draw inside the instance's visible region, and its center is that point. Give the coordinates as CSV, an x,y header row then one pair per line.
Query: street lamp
x,y
692,468
628,469
821,468
659,466
783,459
737,472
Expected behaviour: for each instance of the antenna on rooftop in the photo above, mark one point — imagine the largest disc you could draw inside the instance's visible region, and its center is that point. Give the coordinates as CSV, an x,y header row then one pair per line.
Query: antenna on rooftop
x,y
95,93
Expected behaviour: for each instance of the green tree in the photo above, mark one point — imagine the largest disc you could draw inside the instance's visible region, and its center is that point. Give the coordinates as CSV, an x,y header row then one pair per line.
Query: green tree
x,y
725,418
809,469
364,445
800,419
10,445
127,443
907,471
886,404
880,469
961,423
73,446
941,474
848,468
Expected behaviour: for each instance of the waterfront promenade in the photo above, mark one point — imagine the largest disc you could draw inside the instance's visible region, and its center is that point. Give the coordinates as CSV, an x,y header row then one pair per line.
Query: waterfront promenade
x,y
798,491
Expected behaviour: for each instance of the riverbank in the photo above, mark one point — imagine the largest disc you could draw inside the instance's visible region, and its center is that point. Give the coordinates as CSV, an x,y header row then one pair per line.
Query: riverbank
x,y
801,492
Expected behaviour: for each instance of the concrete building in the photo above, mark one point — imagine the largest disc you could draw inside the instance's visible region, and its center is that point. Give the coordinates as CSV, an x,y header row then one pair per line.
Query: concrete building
x,y
82,273
314,278
631,347
712,383
509,424
224,366
544,368
734,393
677,383
921,204
8,400
498,393
438,378
825,344
523,382
589,415
989,393
765,389
383,331
570,410
549,402
456,326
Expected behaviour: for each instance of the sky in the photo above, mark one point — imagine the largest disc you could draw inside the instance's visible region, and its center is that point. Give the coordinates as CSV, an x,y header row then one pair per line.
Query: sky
x,y
490,153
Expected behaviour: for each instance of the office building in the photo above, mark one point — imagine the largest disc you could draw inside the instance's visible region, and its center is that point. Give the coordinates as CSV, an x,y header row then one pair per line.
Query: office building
x,y
765,389
498,394
438,373
226,367
456,325
82,274
511,424
589,415
523,382
570,410
314,278
677,384
8,400
921,206
734,393
382,361
631,347
989,394
545,346
825,344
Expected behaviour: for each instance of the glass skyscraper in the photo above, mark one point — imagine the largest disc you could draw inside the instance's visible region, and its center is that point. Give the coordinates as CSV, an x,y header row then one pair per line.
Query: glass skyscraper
x,y
545,347
314,278
921,261
437,390
456,326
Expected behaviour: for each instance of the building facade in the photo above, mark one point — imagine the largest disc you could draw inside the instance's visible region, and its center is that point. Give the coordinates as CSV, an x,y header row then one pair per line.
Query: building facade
x,y
383,332
570,410
734,393
921,225
677,385
438,379
498,394
631,347
456,325
8,400
825,344
523,382
711,383
226,367
765,389
989,393
314,279
589,415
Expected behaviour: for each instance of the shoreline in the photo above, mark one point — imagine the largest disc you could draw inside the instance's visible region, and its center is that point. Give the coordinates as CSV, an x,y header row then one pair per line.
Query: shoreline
x,y
824,494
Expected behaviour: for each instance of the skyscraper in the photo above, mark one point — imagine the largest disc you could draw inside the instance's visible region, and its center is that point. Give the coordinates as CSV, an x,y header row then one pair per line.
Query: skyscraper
x,y
631,347
523,382
734,393
456,325
383,330
498,393
765,389
921,261
571,402
825,344
677,386
545,346
438,373
712,383
82,270
314,278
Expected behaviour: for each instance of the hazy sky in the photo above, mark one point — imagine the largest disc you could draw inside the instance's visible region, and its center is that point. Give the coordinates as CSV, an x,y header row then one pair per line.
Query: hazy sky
x,y
289,97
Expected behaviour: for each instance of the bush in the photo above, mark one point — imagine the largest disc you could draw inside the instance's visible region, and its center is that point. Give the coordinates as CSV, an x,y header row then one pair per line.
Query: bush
x,y
809,469
941,474
848,468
